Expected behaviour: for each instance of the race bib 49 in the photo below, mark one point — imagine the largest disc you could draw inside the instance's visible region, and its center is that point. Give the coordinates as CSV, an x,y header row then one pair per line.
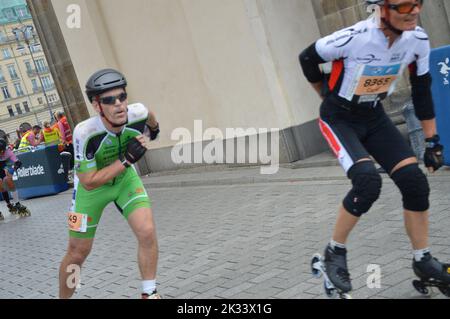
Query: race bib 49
x,y
78,222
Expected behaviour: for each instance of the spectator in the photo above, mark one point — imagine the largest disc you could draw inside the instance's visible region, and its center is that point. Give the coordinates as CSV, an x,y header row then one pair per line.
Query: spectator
x,y
19,138
51,135
30,138
66,134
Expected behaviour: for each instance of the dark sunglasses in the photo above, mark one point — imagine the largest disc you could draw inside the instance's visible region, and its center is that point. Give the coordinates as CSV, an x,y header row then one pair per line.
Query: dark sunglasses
x,y
406,7
111,100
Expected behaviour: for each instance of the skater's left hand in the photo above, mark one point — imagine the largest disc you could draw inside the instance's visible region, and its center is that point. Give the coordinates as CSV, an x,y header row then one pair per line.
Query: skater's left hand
x,y
434,154
17,165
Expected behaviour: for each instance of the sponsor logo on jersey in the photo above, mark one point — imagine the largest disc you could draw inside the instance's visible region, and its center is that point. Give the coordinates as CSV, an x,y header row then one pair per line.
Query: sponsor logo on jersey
x,y
344,37
397,57
368,59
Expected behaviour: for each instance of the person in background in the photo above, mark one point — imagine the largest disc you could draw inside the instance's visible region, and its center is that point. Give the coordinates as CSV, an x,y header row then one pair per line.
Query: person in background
x,y
8,165
51,135
66,134
30,138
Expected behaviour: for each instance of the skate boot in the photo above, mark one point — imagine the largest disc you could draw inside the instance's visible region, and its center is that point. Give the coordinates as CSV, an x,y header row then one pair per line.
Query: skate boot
x,y
431,273
12,209
1,216
154,295
333,268
22,210
335,261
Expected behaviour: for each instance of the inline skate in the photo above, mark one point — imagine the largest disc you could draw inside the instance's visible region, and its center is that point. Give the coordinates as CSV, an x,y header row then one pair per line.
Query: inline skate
x,y
333,267
22,210
431,273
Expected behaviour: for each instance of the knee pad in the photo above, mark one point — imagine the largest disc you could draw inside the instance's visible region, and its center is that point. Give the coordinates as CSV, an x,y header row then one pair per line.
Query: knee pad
x,y
413,185
366,189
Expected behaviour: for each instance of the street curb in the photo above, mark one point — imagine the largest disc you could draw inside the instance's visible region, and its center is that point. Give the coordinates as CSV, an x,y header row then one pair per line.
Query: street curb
x,y
240,181
248,180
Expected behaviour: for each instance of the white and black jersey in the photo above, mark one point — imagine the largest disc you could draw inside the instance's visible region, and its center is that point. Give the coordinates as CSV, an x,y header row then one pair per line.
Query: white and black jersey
x,y
365,68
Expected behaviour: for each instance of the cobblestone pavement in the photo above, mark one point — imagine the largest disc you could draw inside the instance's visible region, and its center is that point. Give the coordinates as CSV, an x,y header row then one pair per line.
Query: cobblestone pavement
x,y
224,241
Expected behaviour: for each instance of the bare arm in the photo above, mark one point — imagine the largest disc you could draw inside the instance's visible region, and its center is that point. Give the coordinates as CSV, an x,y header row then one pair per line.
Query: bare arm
x,y
152,122
429,128
318,88
96,179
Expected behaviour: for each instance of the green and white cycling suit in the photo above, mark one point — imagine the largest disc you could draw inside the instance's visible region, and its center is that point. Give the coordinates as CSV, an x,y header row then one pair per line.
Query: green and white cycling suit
x,y
96,148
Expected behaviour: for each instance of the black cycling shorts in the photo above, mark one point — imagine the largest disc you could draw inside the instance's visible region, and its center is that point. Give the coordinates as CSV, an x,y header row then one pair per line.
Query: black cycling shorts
x,y
362,133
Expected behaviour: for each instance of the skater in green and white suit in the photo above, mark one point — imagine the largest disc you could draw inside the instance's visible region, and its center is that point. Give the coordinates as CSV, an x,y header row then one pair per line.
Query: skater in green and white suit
x,y
106,147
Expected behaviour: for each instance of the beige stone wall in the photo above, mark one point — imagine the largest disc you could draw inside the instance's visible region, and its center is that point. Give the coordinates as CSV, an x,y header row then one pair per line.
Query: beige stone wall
x,y
230,63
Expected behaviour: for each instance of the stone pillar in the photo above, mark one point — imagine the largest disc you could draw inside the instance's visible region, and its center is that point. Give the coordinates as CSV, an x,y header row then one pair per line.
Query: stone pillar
x,y
59,60
435,18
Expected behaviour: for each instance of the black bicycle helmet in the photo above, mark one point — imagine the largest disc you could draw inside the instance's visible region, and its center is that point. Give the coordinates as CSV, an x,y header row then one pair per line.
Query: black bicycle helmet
x,y
103,81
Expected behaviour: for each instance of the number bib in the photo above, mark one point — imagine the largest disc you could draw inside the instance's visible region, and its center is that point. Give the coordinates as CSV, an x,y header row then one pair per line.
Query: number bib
x,y
78,222
372,81
369,85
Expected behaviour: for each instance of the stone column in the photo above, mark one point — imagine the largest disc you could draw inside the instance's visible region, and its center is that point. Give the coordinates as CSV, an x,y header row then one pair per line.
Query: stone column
x,y
435,19
59,60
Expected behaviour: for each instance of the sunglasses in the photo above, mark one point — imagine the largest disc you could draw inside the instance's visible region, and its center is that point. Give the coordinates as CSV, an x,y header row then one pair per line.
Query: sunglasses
x,y
111,100
406,7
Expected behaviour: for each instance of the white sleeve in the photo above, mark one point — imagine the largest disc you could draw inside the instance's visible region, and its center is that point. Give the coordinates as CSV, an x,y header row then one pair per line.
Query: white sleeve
x,y
422,53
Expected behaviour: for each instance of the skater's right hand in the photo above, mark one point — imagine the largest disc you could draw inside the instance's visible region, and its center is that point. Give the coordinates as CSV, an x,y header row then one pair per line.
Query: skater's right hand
x,y
136,149
434,154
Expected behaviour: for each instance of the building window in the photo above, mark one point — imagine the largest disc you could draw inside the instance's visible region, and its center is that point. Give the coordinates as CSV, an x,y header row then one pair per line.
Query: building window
x,y
53,98
12,72
35,47
2,77
19,109
40,101
10,111
18,88
6,53
26,107
22,12
2,37
6,92
28,66
35,85
40,64
48,85
9,13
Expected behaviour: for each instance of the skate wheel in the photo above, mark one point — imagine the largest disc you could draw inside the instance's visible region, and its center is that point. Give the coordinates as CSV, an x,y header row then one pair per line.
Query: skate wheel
x,y
315,271
421,288
445,291
330,292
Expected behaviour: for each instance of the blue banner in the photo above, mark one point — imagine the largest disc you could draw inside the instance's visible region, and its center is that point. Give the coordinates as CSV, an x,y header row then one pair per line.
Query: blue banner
x,y
440,71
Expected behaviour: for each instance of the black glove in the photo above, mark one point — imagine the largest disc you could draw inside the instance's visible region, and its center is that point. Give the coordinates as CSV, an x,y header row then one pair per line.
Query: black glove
x,y
135,151
17,165
434,153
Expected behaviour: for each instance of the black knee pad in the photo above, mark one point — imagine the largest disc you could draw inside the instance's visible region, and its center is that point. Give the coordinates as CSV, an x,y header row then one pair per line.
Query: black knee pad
x,y
414,186
366,190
